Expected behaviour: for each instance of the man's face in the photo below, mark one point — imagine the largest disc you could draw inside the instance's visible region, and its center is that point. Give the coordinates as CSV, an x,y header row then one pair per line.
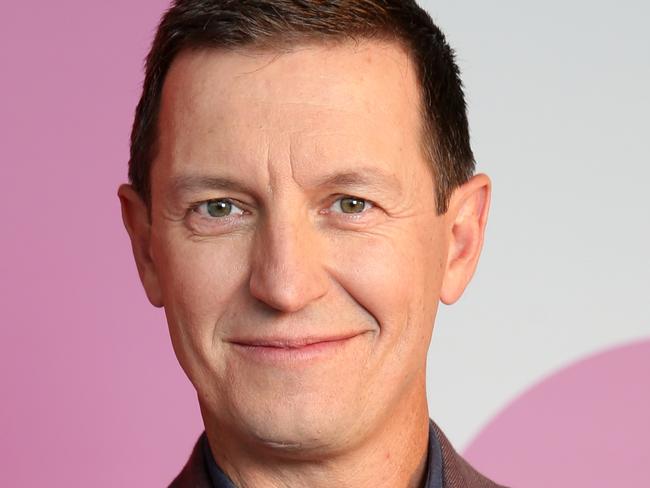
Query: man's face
x,y
297,249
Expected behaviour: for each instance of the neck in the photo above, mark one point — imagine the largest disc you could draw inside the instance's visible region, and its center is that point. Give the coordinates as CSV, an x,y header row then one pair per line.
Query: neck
x,y
394,454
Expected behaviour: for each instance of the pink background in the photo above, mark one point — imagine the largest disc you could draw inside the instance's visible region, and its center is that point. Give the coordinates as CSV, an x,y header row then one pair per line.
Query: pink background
x,y
585,426
91,391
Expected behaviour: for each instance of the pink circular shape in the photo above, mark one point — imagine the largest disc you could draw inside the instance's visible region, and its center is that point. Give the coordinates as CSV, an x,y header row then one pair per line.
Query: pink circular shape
x,y
587,425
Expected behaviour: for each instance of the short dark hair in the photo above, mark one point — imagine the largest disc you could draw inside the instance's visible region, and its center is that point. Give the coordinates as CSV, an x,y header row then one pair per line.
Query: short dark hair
x,y
231,24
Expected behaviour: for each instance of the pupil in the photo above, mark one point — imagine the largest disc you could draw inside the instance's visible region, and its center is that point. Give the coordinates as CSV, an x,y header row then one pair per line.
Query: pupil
x,y
352,205
219,208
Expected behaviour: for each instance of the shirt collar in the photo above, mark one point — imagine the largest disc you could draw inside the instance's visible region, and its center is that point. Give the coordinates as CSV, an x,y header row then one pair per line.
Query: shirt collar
x,y
219,479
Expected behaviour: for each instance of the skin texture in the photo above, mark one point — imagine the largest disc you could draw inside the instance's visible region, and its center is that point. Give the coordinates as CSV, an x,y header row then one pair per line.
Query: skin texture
x,y
284,135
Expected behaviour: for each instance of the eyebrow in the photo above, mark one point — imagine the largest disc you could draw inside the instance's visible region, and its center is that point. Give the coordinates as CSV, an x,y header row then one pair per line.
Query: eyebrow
x,y
365,177
189,183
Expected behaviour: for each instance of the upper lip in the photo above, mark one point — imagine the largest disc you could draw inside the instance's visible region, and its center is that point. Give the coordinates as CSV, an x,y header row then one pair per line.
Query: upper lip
x,y
289,342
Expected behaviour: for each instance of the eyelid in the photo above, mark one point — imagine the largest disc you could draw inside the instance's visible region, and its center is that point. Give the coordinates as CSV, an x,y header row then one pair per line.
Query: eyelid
x,y
368,205
235,205
195,207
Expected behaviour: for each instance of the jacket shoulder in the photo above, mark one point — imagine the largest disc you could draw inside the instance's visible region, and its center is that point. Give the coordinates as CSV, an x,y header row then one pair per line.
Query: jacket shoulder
x,y
194,473
456,471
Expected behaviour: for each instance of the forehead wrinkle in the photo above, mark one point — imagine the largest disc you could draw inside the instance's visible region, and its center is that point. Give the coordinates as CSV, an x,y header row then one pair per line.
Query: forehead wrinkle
x,y
269,172
292,160
262,102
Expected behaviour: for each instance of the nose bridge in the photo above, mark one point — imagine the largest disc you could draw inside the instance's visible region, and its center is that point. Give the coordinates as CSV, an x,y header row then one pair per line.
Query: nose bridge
x,y
284,236
287,273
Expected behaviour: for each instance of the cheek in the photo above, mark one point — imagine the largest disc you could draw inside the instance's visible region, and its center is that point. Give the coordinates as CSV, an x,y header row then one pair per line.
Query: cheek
x,y
198,280
396,276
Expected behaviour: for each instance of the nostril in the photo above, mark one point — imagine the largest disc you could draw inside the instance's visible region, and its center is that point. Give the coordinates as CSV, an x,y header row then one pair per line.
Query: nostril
x,y
287,289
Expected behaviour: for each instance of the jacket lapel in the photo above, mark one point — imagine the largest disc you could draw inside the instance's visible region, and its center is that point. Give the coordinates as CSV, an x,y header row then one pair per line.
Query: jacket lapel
x,y
456,472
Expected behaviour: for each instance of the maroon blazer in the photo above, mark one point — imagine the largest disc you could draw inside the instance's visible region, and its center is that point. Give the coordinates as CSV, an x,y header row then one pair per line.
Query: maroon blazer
x,y
457,473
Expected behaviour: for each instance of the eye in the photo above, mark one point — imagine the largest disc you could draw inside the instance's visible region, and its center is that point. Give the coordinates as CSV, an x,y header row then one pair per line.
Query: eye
x,y
218,208
350,205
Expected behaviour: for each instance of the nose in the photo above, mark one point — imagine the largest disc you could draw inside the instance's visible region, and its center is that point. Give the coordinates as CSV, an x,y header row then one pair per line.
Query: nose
x,y
287,269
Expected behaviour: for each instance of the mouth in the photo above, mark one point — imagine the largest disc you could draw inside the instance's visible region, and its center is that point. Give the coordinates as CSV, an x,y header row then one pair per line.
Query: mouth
x,y
291,350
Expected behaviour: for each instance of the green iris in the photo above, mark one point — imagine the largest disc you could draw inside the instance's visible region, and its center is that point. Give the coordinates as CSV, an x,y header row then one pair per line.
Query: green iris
x,y
352,205
219,208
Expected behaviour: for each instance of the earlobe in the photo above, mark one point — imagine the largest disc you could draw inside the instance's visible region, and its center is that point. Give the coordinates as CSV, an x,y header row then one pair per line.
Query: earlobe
x,y
136,221
468,213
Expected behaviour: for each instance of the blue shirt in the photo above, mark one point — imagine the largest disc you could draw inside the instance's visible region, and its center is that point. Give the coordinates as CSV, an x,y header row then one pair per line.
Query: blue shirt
x,y
433,478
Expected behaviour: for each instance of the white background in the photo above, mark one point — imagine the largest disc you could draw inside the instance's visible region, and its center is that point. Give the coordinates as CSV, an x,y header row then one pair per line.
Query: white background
x,y
558,106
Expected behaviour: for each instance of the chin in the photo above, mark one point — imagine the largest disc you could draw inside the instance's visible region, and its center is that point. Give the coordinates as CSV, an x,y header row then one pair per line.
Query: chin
x,y
296,425
298,405
299,439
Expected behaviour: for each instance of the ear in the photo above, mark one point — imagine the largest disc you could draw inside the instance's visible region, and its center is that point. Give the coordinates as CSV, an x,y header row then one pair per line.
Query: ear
x,y
467,217
136,220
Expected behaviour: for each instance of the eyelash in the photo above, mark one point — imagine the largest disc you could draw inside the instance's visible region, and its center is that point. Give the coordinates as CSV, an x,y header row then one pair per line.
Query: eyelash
x,y
352,216
368,205
195,207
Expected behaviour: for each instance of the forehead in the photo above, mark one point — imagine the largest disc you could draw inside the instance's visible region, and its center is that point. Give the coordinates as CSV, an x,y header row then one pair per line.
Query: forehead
x,y
340,102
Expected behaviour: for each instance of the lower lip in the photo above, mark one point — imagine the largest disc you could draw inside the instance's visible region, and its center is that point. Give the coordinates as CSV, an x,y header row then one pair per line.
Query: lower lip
x,y
278,355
